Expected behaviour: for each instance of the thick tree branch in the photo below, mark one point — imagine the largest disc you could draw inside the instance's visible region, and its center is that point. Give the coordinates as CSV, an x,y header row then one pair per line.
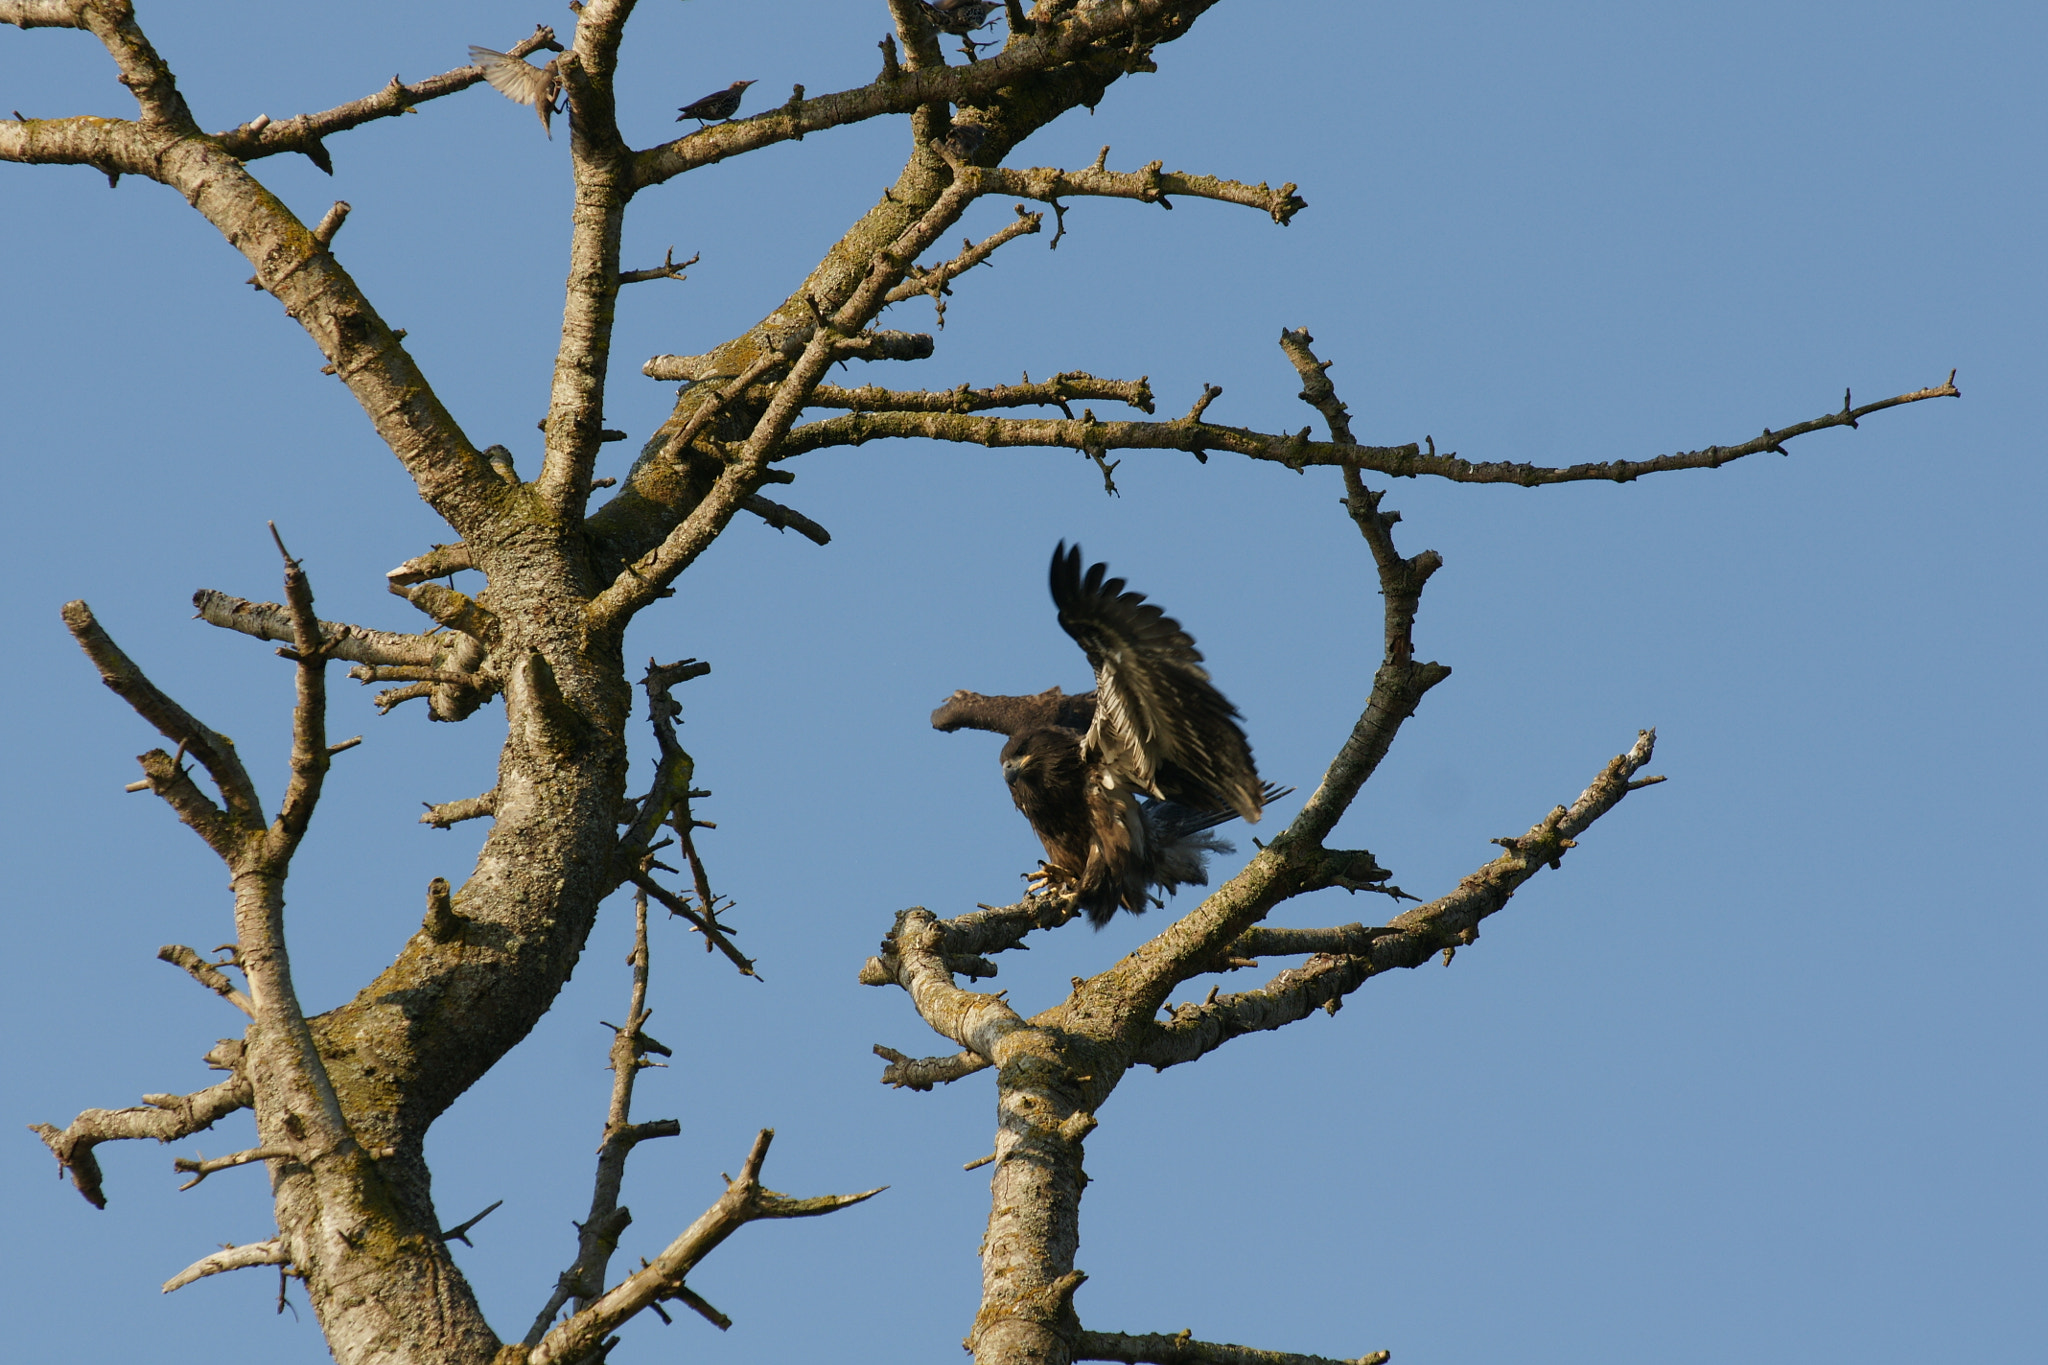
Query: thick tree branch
x,y
866,345
304,276
43,13
1106,31
166,1118
1409,940
444,662
602,171
919,957
1180,1348
455,610
743,1202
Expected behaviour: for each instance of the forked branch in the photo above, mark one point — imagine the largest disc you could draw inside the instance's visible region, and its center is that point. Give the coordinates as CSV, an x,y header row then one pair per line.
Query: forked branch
x,y
1409,940
164,1118
745,1201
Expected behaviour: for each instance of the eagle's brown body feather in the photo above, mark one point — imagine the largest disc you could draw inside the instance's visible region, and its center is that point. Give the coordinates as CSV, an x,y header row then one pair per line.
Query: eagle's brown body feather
x,y
1154,726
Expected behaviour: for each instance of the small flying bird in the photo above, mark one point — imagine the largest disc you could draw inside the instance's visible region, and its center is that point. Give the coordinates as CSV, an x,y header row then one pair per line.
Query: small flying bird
x,y
716,107
1154,727
521,82
959,17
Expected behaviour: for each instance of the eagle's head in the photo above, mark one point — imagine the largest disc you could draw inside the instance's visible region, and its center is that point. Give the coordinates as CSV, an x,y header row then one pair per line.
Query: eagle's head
x,y
1041,759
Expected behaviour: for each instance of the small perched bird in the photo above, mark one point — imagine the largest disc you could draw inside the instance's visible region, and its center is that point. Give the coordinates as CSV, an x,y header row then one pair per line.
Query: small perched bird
x,y
1154,726
963,140
959,17
715,107
521,82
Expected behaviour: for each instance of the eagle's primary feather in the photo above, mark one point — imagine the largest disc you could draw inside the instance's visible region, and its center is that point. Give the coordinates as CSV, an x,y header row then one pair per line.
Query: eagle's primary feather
x,y
1160,726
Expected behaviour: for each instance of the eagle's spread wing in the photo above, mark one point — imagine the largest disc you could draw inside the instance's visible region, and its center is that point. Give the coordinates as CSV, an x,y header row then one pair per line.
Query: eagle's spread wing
x,y
1051,708
1160,725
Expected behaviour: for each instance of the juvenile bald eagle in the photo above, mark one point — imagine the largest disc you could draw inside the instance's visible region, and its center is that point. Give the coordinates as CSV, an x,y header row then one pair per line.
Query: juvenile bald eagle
x,y
1154,727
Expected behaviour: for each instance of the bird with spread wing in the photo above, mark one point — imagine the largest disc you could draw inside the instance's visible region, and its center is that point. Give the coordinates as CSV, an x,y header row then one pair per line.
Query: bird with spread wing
x,y
522,82
1123,784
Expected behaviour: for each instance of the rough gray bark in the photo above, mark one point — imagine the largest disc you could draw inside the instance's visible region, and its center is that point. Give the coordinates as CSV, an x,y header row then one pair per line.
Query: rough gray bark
x,y
343,1102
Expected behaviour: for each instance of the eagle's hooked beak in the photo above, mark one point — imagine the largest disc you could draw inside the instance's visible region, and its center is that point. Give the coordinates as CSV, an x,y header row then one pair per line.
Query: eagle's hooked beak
x,y
1012,767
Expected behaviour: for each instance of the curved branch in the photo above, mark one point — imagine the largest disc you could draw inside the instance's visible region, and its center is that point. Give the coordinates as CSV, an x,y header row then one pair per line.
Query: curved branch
x,y
166,1118
291,263
271,1252
215,751
919,957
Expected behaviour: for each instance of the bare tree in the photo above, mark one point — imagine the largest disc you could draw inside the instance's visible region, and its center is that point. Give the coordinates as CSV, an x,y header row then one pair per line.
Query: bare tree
x,y
343,1101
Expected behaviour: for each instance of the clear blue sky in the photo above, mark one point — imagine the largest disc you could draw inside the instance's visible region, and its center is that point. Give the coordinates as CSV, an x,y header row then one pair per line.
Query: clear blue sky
x,y
1755,1075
